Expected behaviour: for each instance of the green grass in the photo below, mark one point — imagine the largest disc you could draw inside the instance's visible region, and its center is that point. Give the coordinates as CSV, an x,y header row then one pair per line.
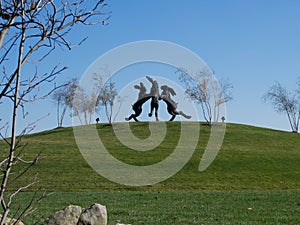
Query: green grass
x,y
250,158
256,168
181,207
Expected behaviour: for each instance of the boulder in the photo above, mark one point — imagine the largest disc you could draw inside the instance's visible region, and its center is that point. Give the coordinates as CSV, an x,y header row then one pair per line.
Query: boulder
x,y
68,216
94,215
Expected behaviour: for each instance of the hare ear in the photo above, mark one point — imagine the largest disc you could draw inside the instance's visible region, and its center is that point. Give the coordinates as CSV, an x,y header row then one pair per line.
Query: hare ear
x,y
136,86
149,78
172,91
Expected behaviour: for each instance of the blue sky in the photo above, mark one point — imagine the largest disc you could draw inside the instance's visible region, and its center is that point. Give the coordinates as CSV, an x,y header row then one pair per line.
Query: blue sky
x,y
252,43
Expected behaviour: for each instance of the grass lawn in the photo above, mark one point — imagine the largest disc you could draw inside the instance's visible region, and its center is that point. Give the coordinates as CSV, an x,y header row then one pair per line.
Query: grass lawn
x,y
181,207
255,178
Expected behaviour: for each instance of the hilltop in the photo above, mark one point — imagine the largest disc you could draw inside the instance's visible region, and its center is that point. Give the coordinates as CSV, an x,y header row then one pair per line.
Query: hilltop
x,y
250,158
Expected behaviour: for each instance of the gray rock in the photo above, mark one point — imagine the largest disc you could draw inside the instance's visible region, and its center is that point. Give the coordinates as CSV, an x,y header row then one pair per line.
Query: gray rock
x,y
94,215
68,216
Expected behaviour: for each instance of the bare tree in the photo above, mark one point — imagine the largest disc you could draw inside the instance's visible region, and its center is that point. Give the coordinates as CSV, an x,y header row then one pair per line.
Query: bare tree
x,y
29,31
207,92
106,97
95,97
64,97
286,102
223,95
84,104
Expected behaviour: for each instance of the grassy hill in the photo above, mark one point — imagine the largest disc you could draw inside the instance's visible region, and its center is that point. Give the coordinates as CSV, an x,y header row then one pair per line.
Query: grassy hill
x,y
255,179
250,158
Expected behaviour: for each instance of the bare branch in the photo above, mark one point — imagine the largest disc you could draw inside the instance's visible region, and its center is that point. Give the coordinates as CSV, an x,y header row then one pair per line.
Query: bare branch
x,y
29,32
57,20
286,102
206,91
37,82
19,190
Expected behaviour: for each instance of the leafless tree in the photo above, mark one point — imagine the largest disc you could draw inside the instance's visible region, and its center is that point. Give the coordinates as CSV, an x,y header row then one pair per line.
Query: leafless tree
x,y
64,97
207,92
29,31
84,104
94,97
106,97
286,102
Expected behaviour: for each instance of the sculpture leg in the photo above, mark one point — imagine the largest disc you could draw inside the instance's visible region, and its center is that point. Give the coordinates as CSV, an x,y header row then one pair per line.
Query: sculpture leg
x,y
172,118
172,111
156,111
151,109
138,110
132,116
154,106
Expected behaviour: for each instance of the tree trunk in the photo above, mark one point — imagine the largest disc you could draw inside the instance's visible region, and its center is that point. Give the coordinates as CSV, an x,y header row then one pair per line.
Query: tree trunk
x,y
62,116
6,208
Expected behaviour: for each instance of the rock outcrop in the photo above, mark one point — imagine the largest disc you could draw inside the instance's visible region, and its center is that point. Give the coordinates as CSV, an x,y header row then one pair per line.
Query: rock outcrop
x,y
96,214
68,216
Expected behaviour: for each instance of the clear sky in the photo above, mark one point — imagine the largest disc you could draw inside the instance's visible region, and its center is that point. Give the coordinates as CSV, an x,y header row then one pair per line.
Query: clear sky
x,y
252,43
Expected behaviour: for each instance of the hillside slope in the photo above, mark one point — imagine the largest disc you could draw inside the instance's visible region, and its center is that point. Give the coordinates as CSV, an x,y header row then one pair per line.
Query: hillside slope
x,y
250,158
